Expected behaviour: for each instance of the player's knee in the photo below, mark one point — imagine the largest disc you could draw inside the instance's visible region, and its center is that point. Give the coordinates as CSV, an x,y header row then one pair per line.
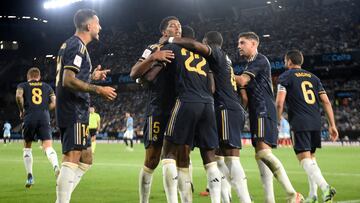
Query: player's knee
x,y
152,161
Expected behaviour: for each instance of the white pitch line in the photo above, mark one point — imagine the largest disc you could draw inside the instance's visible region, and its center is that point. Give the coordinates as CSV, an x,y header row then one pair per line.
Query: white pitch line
x,y
194,167
349,201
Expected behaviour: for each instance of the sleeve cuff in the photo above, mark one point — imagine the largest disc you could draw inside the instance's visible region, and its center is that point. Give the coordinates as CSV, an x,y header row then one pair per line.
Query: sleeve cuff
x,y
249,73
73,68
322,92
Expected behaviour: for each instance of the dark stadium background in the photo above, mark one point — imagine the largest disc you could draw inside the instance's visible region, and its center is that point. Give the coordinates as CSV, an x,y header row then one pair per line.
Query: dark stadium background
x,y
327,31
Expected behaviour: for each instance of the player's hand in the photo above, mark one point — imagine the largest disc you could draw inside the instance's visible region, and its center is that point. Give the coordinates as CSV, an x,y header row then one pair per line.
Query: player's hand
x,y
334,134
163,55
163,40
106,92
99,74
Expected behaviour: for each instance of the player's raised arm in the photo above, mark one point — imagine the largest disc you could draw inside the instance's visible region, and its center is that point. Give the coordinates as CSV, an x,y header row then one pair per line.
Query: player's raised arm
x,y
20,101
190,44
70,81
330,116
147,59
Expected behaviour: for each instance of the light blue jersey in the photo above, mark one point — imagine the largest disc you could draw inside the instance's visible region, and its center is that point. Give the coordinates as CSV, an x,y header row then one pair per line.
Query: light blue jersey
x,y
129,123
284,126
7,128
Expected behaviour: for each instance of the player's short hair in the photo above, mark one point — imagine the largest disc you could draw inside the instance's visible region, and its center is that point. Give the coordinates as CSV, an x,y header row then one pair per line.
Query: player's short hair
x,y
188,32
81,17
33,72
250,35
295,56
214,37
164,23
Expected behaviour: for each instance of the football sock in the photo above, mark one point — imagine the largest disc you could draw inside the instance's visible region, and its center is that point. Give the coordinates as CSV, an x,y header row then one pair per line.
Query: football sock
x,y
184,185
313,171
214,180
267,181
238,178
65,182
52,156
28,160
170,180
145,180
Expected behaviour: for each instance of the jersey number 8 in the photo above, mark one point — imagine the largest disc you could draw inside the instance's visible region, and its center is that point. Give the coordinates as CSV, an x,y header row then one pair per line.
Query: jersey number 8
x,y
36,96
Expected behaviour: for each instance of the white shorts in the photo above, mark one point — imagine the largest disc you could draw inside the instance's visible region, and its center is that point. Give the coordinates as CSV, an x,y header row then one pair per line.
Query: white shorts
x,y
284,135
129,134
6,135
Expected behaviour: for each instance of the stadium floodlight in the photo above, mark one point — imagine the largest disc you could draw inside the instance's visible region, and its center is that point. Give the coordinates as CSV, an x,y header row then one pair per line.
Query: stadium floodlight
x,y
36,18
58,3
11,16
266,35
45,21
49,56
14,42
268,2
26,17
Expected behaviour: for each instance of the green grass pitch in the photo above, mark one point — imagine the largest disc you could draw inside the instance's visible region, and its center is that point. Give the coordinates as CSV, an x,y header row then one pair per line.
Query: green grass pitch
x,y
114,175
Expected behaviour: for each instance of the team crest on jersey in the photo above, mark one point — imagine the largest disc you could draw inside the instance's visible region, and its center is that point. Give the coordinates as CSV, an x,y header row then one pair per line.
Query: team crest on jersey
x,y
154,138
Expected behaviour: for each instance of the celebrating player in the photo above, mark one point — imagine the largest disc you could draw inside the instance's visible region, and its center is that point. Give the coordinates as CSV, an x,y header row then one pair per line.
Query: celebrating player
x,y
256,79
73,100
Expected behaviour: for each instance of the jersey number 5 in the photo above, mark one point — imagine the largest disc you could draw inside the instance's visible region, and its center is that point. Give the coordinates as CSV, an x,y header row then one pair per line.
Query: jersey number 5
x,y
190,59
308,93
36,96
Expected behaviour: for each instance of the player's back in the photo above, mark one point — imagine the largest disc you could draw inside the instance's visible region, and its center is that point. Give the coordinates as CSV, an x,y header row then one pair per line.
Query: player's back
x,y
37,96
190,72
225,84
303,89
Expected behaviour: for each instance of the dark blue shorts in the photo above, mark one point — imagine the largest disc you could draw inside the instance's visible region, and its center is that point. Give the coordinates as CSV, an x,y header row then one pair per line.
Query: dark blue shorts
x,y
193,124
33,130
306,141
230,124
264,129
75,137
154,129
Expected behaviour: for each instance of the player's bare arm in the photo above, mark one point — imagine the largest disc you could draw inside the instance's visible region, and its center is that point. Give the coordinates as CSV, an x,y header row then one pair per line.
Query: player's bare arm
x,y
52,104
190,44
141,67
153,72
242,80
71,82
212,82
280,100
20,101
244,97
334,134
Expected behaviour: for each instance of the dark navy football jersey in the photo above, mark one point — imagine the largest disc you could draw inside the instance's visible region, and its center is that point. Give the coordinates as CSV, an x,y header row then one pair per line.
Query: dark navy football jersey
x,y
161,93
37,96
302,98
190,73
225,85
72,106
260,89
